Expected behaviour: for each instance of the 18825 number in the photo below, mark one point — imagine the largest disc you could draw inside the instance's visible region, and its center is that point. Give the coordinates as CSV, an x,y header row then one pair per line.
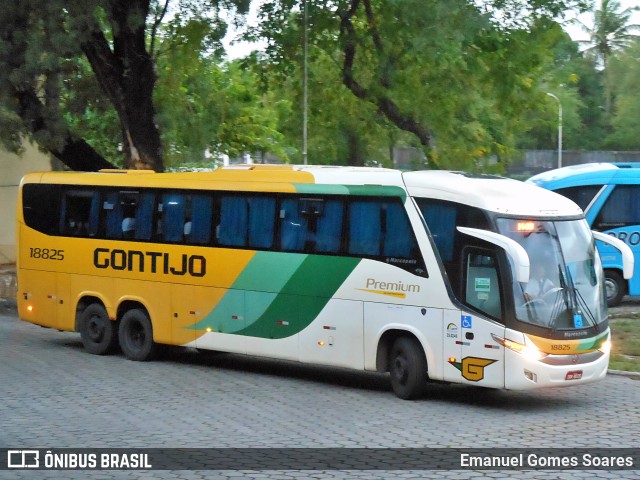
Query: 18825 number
x,y
46,253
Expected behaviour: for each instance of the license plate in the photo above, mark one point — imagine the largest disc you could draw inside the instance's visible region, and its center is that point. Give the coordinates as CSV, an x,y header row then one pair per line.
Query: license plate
x,y
575,375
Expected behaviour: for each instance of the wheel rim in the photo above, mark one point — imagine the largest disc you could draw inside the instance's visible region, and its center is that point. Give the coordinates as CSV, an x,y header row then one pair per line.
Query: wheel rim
x,y
95,329
400,370
136,335
611,288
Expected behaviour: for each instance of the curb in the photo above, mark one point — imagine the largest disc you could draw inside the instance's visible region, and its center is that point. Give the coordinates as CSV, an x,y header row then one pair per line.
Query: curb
x,y
623,373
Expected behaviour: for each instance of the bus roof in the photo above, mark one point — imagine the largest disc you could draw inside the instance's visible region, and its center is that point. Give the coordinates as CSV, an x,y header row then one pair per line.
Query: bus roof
x,y
290,174
489,192
588,174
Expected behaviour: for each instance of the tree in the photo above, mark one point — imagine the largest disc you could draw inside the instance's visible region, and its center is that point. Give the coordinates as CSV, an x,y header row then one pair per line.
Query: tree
x,y
41,46
454,74
625,71
611,32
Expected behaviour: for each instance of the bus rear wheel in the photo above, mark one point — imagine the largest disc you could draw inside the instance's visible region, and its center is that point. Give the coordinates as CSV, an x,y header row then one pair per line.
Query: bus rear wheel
x,y
99,334
136,336
615,287
408,368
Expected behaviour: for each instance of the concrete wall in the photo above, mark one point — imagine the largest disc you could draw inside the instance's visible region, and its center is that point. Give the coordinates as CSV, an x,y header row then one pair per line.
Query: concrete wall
x,y
536,161
12,168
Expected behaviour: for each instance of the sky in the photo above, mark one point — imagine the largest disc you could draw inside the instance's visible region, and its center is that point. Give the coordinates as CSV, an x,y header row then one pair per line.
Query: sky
x,y
240,49
587,18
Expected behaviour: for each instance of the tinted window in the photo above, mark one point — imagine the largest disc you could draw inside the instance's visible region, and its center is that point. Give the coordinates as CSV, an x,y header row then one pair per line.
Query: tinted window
x,y
621,209
128,215
79,215
312,225
247,221
443,218
581,195
334,225
41,207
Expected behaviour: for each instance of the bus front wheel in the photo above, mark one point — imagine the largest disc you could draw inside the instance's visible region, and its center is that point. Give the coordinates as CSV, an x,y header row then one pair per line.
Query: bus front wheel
x,y
136,336
615,287
99,334
408,368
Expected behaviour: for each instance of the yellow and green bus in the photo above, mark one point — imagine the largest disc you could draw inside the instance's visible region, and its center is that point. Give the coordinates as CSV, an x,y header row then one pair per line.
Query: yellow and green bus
x,y
424,275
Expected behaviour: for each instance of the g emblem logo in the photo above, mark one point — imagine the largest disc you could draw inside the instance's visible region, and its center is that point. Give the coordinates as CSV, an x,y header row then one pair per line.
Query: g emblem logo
x,y
472,368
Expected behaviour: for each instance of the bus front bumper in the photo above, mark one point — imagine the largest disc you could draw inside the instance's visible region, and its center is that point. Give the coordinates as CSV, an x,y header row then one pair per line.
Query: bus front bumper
x,y
522,373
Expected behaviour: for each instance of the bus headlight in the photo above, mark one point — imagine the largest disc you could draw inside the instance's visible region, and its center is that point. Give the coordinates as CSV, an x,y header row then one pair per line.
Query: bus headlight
x,y
530,353
605,347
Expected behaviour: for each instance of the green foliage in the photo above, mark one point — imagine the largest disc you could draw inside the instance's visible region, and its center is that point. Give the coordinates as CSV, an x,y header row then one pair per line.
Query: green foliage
x,y
455,69
625,71
464,82
88,113
206,104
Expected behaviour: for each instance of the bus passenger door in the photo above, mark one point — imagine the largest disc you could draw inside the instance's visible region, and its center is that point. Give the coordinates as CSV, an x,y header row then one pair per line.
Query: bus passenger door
x,y
482,358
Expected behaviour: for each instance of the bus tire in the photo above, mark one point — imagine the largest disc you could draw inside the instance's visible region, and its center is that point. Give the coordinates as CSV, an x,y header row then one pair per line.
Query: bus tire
x,y
136,336
98,333
615,287
408,368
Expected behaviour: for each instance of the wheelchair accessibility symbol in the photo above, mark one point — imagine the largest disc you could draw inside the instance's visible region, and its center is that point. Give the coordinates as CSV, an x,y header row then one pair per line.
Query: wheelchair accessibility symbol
x,y
466,321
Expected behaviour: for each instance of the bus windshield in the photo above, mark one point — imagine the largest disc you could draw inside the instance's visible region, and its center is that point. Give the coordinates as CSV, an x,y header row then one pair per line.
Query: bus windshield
x,y
564,291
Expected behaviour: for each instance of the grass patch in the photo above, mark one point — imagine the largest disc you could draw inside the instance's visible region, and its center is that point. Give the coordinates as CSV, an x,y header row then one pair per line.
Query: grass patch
x,y
625,353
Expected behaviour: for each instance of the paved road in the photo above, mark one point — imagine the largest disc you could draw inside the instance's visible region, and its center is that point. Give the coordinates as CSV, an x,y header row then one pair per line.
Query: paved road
x,y
54,395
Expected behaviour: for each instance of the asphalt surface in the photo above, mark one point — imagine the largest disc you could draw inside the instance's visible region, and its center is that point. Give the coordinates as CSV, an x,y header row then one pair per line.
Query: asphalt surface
x,y
55,395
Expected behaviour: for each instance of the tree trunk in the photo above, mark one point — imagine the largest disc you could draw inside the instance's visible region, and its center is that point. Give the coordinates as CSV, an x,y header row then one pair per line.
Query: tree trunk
x,y
127,76
376,95
74,152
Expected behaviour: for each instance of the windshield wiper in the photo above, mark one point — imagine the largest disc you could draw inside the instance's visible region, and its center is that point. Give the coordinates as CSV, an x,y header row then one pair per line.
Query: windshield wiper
x,y
563,293
573,299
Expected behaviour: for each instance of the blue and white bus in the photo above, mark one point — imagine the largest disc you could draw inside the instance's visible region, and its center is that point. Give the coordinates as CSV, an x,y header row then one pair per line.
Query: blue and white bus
x,y
609,194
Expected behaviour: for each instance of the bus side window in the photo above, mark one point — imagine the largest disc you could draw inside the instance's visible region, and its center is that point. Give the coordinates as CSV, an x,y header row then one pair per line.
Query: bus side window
x,y
200,219
441,220
262,211
129,205
173,217
330,227
79,216
293,226
620,209
247,221
144,216
312,225
398,238
41,207
582,195
365,228
113,215
482,288
381,229
234,218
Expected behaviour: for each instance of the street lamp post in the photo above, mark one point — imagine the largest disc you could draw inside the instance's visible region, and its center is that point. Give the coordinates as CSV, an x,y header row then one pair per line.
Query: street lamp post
x,y
305,85
559,128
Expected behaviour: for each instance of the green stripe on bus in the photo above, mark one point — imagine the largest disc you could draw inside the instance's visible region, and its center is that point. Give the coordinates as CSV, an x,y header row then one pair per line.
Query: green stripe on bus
x,y
278,295
303,297
592,343
364,190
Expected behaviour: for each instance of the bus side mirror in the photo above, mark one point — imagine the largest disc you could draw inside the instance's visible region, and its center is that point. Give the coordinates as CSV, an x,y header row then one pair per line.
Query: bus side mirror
x,y
627,255
515,251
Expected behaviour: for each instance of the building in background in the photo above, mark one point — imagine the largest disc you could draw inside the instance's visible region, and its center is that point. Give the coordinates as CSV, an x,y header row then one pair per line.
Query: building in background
x,y
12,168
